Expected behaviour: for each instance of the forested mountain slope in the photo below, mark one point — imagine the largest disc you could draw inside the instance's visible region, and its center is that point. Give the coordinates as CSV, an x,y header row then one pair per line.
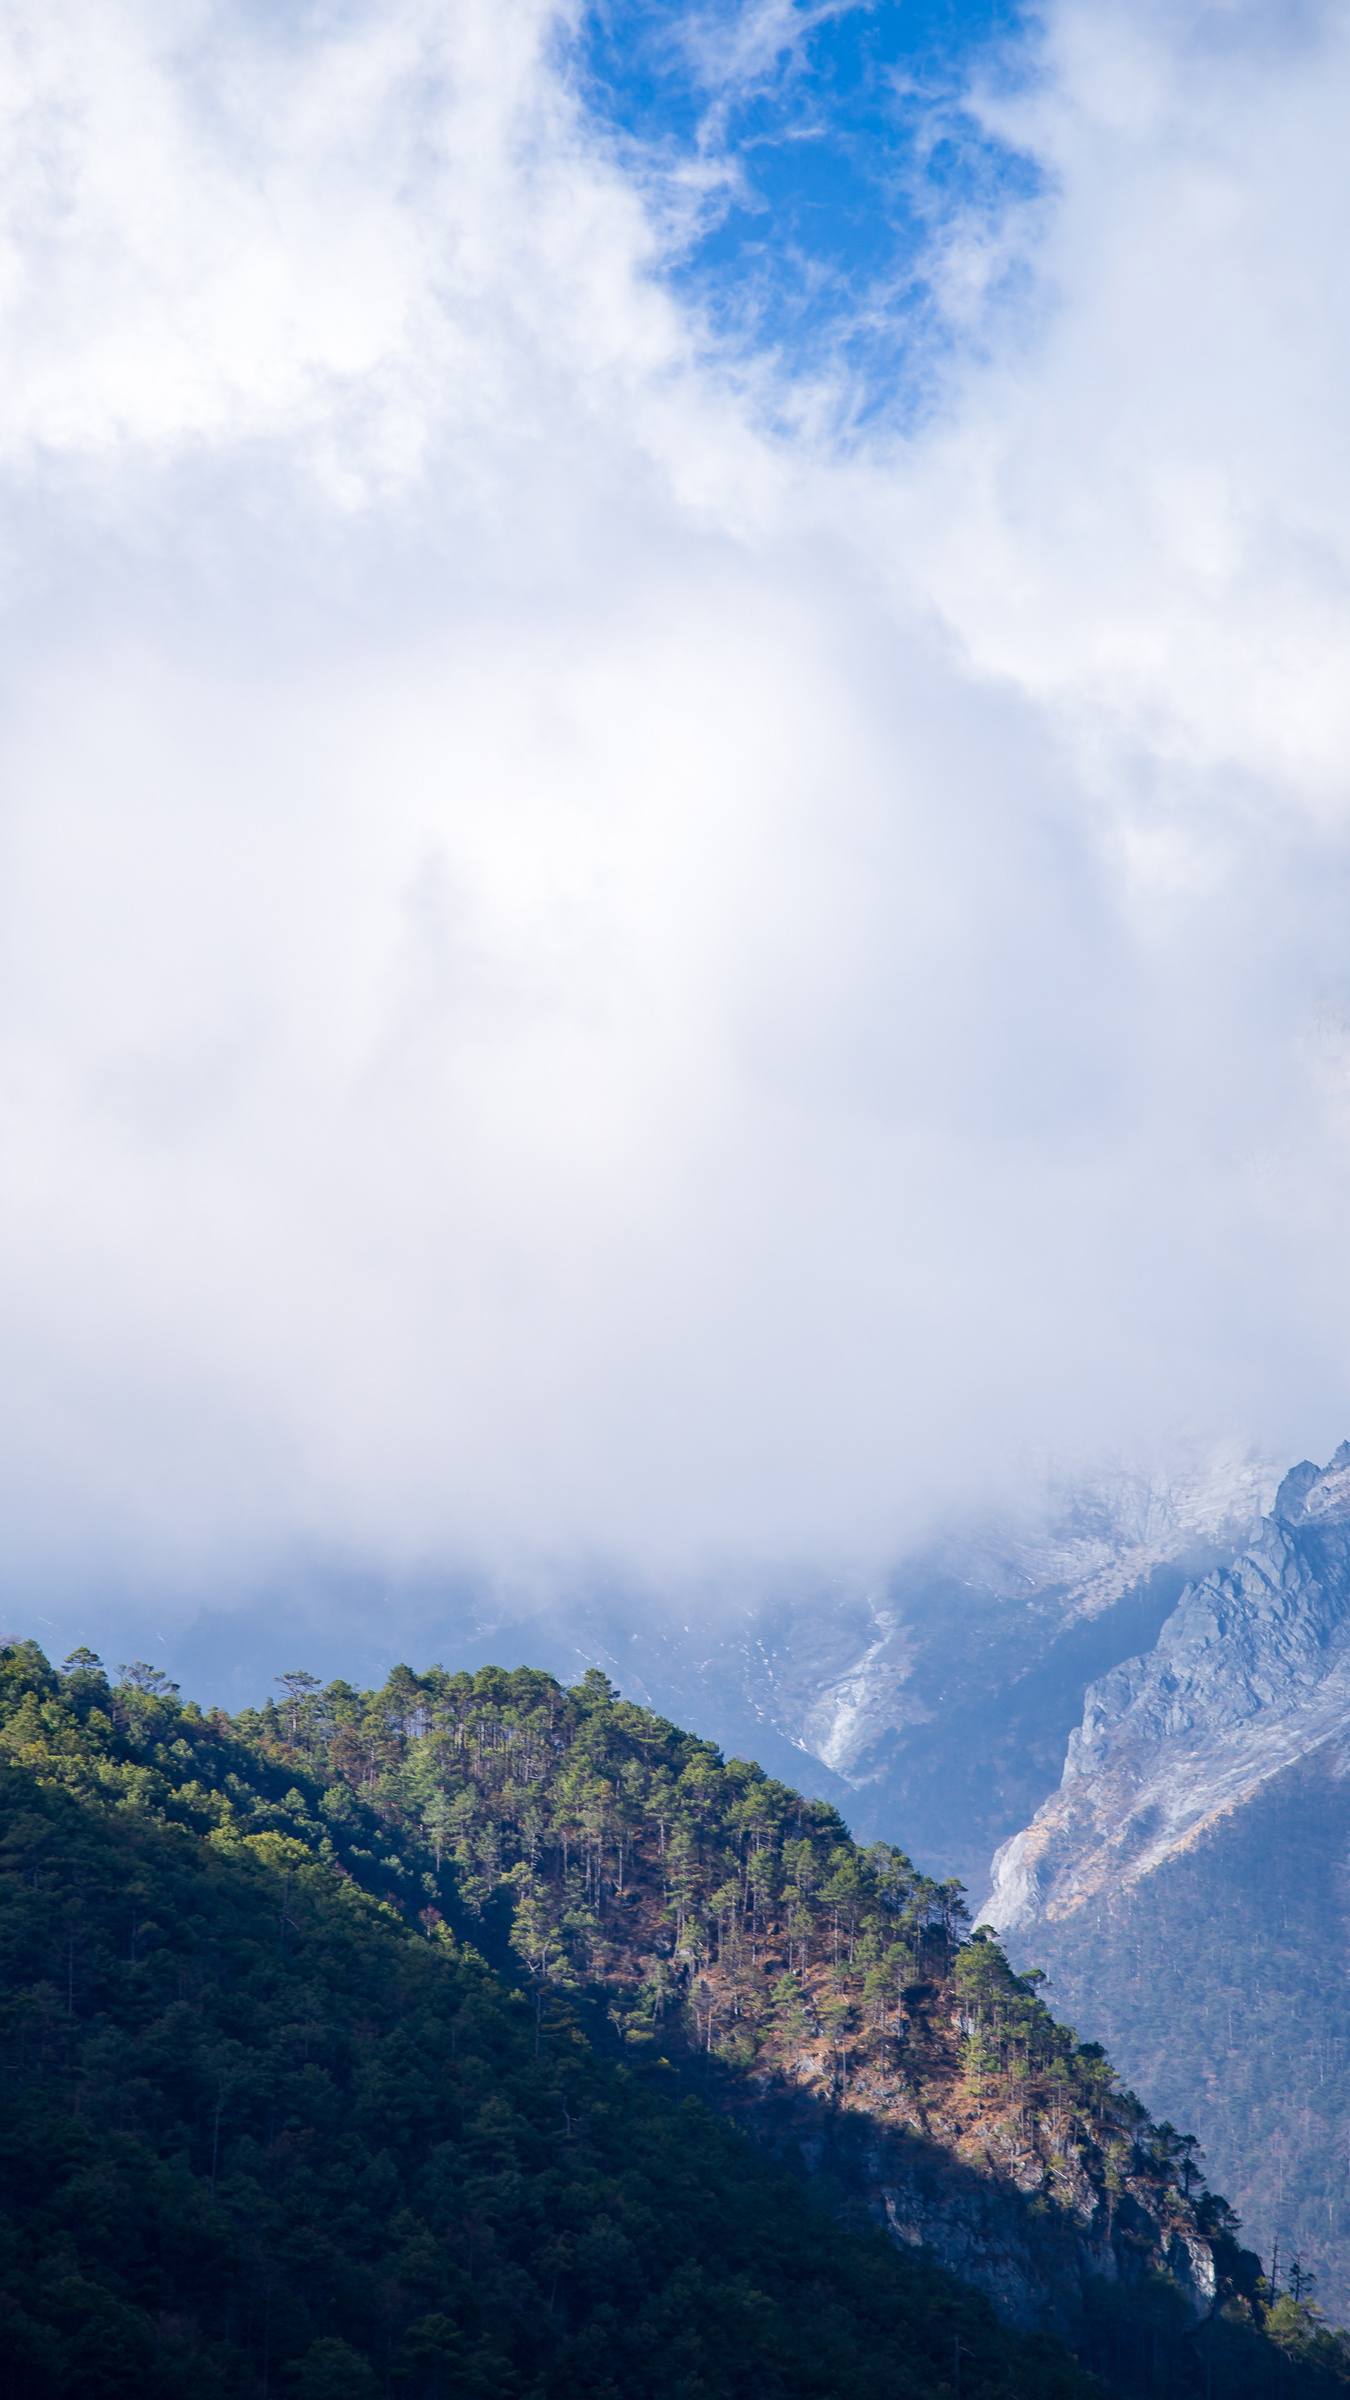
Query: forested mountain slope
x,y
272,2125
268,2128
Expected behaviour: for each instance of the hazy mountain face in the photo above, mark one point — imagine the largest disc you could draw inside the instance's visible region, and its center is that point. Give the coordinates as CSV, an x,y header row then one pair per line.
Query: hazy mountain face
x,y
932,1697
935,1701
1187,1883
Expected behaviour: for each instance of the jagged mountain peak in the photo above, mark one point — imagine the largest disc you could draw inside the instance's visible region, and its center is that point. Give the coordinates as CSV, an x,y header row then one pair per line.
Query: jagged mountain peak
x,y
1313,1494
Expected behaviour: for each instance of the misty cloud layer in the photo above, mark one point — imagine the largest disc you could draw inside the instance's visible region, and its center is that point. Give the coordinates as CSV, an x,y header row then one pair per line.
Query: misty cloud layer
x,y
587,968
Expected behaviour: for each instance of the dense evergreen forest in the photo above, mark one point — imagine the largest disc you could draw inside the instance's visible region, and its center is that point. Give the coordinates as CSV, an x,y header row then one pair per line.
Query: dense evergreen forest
x,y
410,2043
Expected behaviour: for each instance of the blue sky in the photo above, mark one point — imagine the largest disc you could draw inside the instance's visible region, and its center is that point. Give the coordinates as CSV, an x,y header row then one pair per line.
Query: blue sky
x,y
844,147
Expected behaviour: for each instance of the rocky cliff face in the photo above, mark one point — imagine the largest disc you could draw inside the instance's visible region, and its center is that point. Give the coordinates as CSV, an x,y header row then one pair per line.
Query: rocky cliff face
x,y
1188,1885
1004,2197
953,1720
1250,1673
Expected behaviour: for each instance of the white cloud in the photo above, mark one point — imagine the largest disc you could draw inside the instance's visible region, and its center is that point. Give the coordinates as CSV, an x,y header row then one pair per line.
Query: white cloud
x,y
1145,515
737,47
580,977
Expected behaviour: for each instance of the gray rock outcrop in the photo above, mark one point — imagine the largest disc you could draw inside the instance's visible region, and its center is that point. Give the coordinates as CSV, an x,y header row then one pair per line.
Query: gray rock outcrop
x,y
1250,1673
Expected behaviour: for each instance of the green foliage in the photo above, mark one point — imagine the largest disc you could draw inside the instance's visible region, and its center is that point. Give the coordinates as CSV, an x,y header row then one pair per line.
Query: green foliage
x,y
269,2127
345,2043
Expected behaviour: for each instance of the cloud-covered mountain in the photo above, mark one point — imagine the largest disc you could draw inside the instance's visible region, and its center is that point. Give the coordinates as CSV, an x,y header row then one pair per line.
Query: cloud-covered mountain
x,y
940,1694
